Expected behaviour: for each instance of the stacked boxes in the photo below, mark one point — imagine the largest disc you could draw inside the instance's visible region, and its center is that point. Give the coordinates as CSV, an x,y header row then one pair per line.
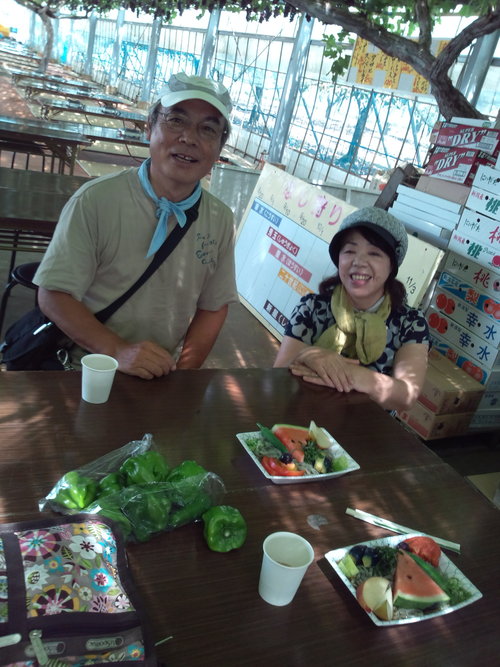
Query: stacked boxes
x,y
447,402
464,316
456,206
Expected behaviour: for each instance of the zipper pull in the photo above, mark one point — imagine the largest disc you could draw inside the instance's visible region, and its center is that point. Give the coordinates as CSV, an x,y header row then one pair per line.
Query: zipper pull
x,y
37,644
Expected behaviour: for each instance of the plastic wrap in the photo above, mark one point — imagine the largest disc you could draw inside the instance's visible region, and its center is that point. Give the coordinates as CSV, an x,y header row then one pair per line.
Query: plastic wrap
x,y
138,506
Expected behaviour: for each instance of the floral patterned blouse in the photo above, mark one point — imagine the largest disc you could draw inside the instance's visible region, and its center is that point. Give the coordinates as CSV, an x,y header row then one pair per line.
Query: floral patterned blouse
x,y
313,315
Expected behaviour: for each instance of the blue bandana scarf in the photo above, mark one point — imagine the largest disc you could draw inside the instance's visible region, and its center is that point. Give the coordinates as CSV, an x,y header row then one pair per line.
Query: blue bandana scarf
x,y
165,207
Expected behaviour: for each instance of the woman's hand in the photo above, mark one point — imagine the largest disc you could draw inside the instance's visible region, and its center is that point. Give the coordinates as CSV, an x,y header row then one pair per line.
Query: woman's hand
x,y
324,367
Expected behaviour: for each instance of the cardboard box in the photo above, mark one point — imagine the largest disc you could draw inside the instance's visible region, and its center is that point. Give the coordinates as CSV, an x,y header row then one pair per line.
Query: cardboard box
x,y
490,379
485,419
483,325
430,202
462,339
447,388
487,178
471,275
472,296
490,399
445,189
478,227
455,135
432,427
484,202
417,226
458,165
469,247
475,122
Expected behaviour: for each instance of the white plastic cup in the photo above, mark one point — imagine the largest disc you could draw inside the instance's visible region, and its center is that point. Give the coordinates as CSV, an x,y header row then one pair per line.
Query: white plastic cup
x,y
98,372
285,560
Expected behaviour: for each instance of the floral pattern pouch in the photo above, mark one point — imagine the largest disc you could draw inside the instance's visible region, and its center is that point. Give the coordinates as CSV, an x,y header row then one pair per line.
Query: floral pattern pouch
x,y
67,597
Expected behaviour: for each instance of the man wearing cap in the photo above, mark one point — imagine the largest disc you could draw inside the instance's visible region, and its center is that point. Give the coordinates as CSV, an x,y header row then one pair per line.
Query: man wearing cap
x,y
111,227
358,333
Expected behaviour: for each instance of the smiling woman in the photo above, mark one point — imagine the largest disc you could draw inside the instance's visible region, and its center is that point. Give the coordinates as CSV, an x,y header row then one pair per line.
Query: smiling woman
x,y
357,332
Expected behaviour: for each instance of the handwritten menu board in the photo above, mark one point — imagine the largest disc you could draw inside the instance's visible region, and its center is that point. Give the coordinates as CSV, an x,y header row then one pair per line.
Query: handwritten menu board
x,y
282,248
375,68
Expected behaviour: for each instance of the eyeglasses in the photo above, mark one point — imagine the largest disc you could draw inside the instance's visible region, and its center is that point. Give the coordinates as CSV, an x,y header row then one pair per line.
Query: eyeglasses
x,y
176,123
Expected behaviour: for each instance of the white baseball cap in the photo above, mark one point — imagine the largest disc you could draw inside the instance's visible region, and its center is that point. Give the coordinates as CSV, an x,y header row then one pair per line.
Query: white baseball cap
x,y
181,87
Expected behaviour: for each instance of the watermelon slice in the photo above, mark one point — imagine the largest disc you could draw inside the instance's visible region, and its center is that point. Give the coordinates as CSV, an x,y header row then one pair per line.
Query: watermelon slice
x,y
293,437
413,588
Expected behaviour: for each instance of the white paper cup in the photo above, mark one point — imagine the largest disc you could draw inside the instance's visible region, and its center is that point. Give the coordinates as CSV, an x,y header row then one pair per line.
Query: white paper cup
x,y
98,372
284,562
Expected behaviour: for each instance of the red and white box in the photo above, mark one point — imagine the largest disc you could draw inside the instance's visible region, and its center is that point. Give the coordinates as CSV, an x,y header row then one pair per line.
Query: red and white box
x,y
458,165
463,340
469,275
473,297
484,202
480,324
455,135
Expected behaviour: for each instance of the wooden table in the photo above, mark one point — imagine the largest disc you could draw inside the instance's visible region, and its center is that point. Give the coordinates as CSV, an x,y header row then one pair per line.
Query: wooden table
x,y
50,108
208,601
62,142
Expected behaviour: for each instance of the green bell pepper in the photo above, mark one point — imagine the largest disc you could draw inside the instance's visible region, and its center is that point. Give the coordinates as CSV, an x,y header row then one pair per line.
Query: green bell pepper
x,y
109,506
225,528
144,468
184,470
147,510
192,510
77,491
110,484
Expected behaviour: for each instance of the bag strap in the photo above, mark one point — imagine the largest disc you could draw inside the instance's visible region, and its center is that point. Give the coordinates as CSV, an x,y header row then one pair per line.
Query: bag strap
x,y
160,256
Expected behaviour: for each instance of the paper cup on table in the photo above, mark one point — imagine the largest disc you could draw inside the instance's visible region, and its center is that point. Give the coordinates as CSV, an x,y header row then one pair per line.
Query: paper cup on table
x,y
285,560
98,372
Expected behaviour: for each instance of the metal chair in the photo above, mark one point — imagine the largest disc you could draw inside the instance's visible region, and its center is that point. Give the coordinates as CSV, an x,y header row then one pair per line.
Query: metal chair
x,y
21,275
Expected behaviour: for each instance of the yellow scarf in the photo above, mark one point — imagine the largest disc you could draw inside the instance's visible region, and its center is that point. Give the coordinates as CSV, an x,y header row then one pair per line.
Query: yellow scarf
x,y
356,334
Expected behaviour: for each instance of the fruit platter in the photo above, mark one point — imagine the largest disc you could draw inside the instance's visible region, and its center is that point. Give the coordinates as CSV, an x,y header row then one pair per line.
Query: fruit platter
x,y
288,454
402,579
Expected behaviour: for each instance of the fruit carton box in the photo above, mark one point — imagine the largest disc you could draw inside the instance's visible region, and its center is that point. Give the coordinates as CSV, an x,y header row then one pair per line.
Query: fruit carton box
x,y
458,165
420,226
485,419
432,202
489,400
486,326
469,275
490,379
447,388
488,178
456,135
474,297
463,339
483,201
478,227
484,253
430,426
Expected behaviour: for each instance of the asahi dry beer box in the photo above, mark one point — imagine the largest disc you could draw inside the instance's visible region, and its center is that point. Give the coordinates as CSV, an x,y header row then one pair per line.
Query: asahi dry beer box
x,y
455,135
458,165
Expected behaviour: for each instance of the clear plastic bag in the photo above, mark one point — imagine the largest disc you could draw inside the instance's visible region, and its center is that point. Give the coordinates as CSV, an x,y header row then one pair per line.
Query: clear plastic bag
x,y
139,506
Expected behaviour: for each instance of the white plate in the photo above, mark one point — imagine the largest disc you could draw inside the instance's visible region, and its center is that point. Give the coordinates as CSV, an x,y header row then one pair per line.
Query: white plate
x,y
335,450
445,565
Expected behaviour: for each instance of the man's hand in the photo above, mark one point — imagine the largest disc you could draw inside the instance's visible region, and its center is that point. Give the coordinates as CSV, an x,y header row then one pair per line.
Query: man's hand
x,y
145,359
325,367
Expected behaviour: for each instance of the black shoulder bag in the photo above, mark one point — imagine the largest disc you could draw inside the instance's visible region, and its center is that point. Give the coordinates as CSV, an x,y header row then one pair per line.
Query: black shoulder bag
x,y
35,343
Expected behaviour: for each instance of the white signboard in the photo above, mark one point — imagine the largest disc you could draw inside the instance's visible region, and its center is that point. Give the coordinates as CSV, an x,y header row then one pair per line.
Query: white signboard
x,y
282,248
